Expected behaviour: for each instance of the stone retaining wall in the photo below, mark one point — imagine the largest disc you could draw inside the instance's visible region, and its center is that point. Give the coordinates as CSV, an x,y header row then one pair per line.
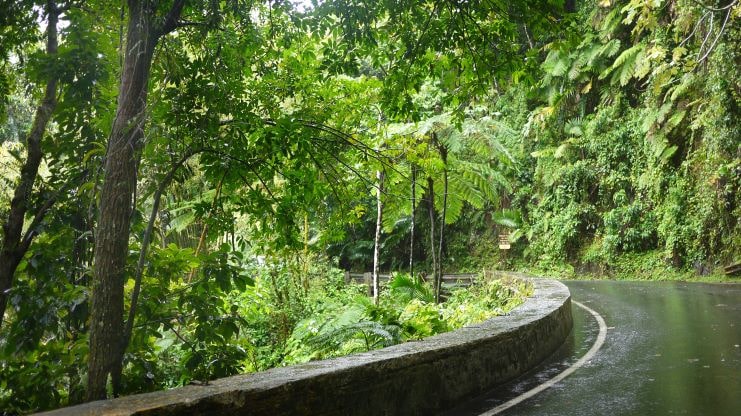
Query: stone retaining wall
x,y
414,378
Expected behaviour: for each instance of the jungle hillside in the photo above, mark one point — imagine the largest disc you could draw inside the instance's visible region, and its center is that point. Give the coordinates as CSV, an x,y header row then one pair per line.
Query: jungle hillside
x,y
183,183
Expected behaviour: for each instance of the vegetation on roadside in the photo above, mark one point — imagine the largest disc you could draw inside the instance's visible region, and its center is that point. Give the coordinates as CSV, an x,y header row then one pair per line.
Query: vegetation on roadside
x,y
347,321
202,332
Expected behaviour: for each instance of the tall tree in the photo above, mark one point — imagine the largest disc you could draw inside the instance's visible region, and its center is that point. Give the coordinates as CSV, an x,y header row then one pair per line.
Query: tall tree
x,y
431,213
15,242
439,278
144,30
379,228
413,187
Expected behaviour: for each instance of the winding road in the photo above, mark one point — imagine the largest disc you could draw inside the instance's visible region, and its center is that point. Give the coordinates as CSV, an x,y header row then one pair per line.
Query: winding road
x,y
665,348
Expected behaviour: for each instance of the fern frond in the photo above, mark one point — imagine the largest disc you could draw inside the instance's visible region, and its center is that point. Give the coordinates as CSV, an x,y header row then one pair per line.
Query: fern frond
x,y
435,124
556,63
461,188
680,89
609,49
611,22
373,332
454,210
590,55
623,69
579,65
505,220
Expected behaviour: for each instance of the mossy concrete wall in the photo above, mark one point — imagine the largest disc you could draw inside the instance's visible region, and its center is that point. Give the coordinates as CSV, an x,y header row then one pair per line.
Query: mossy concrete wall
x,y
414,378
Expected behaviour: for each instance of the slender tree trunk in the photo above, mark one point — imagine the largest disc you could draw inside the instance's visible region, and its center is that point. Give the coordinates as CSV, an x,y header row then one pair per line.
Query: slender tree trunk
x,y
431,211
146,239
142,258
439,279
15,244
379,227
305,268
411,228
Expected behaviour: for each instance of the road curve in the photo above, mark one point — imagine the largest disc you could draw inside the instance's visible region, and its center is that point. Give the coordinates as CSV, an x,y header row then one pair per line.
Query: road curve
x,y
671,349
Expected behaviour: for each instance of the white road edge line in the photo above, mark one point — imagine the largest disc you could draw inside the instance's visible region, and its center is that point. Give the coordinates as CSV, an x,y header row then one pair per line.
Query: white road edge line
x,y
565,373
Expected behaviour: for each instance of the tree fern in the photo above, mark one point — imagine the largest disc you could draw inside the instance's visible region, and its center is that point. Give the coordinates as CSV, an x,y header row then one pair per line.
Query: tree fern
x,y
479,143
608,93
435,124
491,182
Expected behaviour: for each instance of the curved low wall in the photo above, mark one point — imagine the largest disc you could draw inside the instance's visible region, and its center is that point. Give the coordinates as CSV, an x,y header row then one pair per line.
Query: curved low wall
x,y
414,378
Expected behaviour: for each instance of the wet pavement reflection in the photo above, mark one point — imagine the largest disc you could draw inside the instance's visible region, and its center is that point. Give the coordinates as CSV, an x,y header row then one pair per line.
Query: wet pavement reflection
x,y
672,349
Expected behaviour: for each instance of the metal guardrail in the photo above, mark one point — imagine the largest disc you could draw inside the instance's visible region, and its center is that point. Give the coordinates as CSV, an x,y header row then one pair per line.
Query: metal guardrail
x,y
453,279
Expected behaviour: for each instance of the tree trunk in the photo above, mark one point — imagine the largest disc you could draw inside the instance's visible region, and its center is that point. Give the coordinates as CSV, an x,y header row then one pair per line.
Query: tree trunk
x,y
431,211
379,227
411,228
439,278
116,204
305,268
116,197
15,244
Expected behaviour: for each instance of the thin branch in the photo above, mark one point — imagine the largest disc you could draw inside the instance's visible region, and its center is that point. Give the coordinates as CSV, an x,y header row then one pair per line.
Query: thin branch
x,y
697,25
717,38
247,183
202,240
713,9
409,55
336,178
41,214
177,334
342,162
707,36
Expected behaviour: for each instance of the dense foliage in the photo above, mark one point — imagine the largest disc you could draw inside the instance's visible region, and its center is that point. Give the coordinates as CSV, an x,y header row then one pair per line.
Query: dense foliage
x,y
635,140
625,147
200,168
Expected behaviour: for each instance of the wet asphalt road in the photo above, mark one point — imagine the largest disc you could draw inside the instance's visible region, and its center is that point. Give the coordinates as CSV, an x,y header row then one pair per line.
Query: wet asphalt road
x,y
671,349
